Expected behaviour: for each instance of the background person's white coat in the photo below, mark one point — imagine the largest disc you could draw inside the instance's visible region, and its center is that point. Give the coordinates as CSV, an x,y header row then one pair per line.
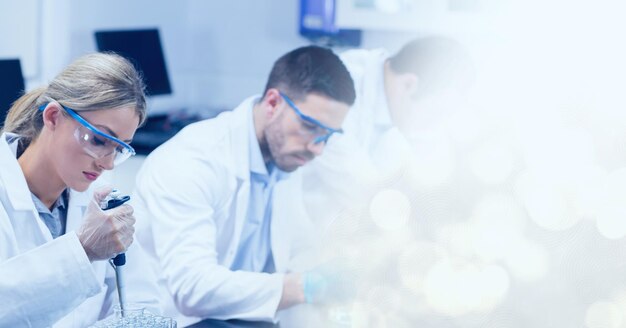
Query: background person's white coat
x,y
339,177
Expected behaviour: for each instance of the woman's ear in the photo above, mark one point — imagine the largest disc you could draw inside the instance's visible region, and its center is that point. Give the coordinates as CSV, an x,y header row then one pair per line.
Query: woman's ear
x,y
52,115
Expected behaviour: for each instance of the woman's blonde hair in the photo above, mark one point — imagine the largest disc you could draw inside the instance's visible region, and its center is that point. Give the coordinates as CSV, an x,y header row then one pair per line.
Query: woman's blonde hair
x,y
93,82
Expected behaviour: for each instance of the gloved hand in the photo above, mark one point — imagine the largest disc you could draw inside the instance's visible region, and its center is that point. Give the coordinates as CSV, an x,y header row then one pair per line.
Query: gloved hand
x,y
332,282
106,234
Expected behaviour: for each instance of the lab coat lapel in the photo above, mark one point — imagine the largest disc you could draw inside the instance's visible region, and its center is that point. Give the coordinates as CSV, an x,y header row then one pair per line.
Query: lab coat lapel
x,y
279,231
241,164
241,207
78,202
12,175
25,217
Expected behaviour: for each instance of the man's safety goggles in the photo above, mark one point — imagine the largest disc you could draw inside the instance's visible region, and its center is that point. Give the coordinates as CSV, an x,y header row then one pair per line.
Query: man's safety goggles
x,y
312,128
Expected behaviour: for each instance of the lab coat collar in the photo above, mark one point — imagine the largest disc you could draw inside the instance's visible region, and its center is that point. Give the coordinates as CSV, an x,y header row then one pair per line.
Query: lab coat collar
x,y
241,141
60,203
12,175
257,163
382,116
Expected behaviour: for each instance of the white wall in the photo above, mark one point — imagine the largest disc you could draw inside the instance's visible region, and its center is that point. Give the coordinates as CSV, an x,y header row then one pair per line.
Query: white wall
x,y
234,45
217,52
19,33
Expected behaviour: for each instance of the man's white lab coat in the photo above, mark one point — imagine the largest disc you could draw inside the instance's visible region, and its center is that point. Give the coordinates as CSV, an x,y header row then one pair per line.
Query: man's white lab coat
x,y
191,200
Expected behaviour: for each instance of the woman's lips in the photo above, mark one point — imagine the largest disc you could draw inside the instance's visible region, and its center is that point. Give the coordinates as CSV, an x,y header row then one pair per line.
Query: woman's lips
x,y
90,175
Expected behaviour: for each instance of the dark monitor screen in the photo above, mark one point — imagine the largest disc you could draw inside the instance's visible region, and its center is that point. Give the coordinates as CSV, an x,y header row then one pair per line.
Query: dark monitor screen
x,y
143,48
11,85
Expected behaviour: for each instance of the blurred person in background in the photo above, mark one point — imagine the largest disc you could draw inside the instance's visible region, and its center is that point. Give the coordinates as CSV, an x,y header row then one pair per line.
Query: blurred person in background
x,y
357,192
397,96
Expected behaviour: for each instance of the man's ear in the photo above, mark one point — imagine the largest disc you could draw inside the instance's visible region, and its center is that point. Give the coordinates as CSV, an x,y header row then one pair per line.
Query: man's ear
x,y
52,115
271,103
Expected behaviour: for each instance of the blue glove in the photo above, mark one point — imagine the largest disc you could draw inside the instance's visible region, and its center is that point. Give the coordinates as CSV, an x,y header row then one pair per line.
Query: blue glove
x,y
315,287
332,282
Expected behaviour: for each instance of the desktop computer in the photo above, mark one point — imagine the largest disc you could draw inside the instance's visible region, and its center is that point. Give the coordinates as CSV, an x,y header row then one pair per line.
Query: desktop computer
x,y
11,85
143,48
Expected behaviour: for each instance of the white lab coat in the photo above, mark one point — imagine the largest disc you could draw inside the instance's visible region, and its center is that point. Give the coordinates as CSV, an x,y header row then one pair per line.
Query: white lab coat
x,y
48,282
369,114
191,200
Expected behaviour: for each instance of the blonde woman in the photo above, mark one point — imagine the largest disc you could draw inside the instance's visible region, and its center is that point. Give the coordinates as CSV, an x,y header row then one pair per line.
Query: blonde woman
x,y
54,239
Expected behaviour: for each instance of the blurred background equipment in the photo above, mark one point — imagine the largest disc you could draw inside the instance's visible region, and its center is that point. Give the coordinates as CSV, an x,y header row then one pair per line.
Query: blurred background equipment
x,y
318,24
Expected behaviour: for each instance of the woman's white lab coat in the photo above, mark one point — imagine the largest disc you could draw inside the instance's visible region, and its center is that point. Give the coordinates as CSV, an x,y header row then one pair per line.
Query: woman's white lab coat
x,y
48,282
191,201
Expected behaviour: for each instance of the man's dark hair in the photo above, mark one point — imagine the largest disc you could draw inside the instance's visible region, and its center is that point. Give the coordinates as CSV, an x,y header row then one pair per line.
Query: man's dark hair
x,y
438,62
309,70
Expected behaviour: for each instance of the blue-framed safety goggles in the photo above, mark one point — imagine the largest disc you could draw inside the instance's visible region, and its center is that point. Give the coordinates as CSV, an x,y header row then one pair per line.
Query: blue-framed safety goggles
x,y
96,143
319,131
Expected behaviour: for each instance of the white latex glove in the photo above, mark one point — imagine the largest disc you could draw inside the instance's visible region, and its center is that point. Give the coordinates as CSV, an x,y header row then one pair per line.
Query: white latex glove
x,y
104,234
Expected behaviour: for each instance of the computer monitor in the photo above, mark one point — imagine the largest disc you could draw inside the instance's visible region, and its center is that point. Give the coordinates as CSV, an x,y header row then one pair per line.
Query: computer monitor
x,y
143,48
11,85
